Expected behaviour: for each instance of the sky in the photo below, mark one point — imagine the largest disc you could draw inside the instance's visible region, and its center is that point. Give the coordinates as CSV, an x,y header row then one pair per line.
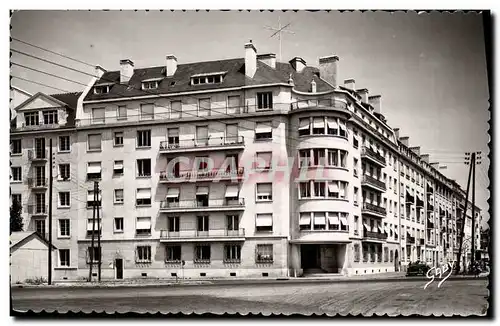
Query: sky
x,y
430,69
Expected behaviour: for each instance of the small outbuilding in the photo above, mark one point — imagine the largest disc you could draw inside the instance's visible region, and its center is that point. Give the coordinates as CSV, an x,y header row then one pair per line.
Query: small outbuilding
x,y
28,256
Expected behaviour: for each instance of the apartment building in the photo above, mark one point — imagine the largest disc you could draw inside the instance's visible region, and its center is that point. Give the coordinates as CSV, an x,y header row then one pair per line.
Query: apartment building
x,y
37,120
247,167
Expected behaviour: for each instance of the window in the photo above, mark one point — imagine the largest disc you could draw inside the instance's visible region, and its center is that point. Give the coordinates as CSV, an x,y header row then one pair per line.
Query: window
x,y
356,194
202,135
233,104
173,137
173,254
17,174
264,101
203,107
356,253
319,221
90,199
17,198
319,156
264,191
263,131
318,126
147,111
31,118
94,142
263,160
232,253
264,253
118,196
207,79
118,138
50,117
305,157
144,138
355,167
173,223
356,224
233,222
319,189
118,224
40,227
176,109
305,221
64,257
305,190
143,254
143,226
122,112
64,229
202,254
232,134
333,189
333,157
264,222
94,170
332,126
304,127
172,199
40,203
98,115
64,199
143,197
153,84
64,144
15,147
144,167
101,89
202,223
343,159
343,128
94,226
118,167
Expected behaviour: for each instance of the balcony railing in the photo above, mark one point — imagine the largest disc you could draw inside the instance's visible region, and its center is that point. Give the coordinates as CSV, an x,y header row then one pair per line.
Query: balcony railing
x,y
212,203
38,182
208,143
318,103
37,155
37,210
374,235
193,176
370,153
212,233
371,208
369,180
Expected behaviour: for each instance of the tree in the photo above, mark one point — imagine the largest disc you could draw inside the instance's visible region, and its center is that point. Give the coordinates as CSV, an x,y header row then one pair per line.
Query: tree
x,y
16,221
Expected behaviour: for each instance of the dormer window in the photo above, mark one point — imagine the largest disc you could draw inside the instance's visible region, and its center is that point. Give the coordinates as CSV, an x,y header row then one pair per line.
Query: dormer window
x,y
50,117
211,78
150,85
31,118
101,89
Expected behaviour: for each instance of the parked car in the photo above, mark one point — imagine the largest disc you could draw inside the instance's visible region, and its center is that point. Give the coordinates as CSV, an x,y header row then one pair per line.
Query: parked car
x,y
417,268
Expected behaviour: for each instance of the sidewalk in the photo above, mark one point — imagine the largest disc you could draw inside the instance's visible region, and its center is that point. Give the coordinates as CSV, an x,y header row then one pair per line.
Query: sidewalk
x,y
382,277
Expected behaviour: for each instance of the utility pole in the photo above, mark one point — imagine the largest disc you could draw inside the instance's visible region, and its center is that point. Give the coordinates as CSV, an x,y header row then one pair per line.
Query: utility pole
x,y
91,253
464,215
50,214
98,235
477,158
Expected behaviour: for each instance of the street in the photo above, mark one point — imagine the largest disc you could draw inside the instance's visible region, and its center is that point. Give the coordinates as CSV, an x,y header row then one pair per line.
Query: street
x,y
461,297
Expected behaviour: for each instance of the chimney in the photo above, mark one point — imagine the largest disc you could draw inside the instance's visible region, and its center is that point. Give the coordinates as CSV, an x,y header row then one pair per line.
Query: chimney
x,y
328,69
396,132
350,84
126,70
250,59
363,92
99,71
268,59
298,64
405,140
171,65
375,102
313,86
416,150
425,157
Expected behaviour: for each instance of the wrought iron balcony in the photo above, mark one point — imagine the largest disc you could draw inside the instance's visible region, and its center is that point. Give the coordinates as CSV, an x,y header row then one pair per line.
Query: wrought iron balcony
x,y
373,209
367,152
210,143
318,103
371,181
195,234
199,176
370,235
192,205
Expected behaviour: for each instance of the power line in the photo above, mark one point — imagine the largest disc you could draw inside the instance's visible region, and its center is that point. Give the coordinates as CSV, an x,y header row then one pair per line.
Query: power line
x,y
40,84
47,73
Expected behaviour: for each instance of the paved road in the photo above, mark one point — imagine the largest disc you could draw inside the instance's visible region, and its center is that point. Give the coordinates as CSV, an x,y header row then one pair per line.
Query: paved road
x,y
468,297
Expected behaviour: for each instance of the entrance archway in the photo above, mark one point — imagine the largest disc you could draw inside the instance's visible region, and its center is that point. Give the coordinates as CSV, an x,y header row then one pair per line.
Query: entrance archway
x,y
396,261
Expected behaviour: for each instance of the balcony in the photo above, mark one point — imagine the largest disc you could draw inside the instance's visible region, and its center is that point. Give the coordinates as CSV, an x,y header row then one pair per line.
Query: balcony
x,y
373,156
430,225
374,210
410,200
410,239
38,183
430,206
201,176
373,183
318,103
37,210
420,203
222,204
37,155
374,236
208,144
202,236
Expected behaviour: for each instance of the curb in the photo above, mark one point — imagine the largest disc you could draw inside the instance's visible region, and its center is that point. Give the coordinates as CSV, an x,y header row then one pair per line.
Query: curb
x,y
244,282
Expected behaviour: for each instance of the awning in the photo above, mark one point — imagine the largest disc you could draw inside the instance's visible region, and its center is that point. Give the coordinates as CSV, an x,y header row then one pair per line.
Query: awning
x,y
319,219
333,218
143,193
318,123
264,220
263,128
173,132
342,125
264,189
173,192
379,227
305,219
343,220
333,187
232,191
304,124
332,123
118,165
143,223
387,229
202,191
94,167
366,226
